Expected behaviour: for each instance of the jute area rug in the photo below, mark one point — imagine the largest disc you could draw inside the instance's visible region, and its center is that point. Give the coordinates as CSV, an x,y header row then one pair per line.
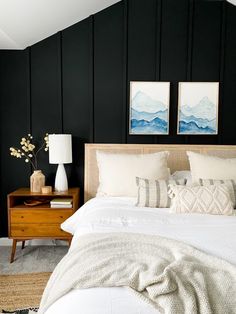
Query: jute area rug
x,y
21,291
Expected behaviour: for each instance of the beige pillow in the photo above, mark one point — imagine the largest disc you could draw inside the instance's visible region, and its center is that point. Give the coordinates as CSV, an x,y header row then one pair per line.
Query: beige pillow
x,y
211,199
154,193
210,167
231,184
118,172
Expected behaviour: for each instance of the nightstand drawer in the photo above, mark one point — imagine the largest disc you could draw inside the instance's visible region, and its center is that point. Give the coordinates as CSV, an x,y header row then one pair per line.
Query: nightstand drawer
x,y
37,230
39,215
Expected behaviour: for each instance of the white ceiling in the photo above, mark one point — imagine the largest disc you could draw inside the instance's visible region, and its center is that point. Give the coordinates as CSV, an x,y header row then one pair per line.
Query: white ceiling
x,y
25,22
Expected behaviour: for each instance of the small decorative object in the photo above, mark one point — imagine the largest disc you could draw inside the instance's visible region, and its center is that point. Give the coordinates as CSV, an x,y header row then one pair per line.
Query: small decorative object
x,y
35,202
29,154
37,181
149,108
46,189
60,152
198,108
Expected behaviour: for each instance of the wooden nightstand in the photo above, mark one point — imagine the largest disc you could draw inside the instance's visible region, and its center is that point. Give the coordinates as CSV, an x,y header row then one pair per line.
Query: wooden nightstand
x,y
38,222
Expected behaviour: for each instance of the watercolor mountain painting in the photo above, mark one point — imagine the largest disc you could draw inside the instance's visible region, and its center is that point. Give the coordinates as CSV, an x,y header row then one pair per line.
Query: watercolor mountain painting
x,y
148,115
199,119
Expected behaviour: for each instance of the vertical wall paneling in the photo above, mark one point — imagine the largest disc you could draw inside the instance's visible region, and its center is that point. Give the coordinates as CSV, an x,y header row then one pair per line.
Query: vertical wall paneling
x,y
190,25
174,36
91,71
46,94
222,68
206,41
174,59
158,48
141,49
60,78
190,40
29,95
77,90
229,82
158,64
14,123
125,73
108,74
206,47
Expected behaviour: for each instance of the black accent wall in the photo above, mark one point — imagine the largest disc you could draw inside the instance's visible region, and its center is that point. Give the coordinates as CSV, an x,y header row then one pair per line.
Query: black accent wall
x,y
77,81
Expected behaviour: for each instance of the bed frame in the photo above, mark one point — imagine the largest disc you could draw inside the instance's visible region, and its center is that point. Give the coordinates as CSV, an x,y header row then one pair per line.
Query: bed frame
x,y
178,159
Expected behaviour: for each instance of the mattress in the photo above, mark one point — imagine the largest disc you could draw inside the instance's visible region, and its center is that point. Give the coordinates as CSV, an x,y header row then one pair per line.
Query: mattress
x,y
212,234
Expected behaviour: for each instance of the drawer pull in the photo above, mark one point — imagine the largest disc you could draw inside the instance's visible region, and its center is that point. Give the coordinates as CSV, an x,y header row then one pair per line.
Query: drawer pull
x,y
22,216
61,216
23,230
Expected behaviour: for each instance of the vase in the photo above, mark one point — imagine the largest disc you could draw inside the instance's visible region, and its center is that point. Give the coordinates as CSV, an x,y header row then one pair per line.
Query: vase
x,y
37,181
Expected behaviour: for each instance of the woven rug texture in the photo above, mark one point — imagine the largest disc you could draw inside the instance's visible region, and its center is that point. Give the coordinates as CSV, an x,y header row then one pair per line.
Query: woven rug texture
x,y
23,311
22,291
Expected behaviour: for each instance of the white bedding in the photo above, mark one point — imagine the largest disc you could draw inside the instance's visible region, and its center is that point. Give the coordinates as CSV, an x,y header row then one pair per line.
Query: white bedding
x,y
213,234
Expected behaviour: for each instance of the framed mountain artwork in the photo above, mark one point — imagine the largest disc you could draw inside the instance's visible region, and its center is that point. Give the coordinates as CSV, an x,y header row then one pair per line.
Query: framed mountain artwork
x,y
149,108
198,108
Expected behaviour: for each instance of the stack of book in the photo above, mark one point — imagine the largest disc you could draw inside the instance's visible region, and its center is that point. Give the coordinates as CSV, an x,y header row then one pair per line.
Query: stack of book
x,y
61,203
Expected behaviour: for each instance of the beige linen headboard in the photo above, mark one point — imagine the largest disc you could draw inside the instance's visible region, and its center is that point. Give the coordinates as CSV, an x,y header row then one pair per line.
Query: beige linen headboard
x,y
178,159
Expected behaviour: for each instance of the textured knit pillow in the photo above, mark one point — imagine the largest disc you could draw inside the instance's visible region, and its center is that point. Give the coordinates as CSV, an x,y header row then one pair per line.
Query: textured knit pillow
x,y
211,199
231,184
154,193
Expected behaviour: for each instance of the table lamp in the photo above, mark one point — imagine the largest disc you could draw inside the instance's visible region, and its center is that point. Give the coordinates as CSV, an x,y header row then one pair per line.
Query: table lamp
x,y
232,1
60,152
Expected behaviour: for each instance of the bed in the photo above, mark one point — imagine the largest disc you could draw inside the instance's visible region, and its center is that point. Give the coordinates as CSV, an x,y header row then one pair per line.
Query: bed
x,y
215,235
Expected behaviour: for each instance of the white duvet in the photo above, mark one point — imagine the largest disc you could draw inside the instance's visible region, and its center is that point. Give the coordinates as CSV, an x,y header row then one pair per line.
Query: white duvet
x,y
215,235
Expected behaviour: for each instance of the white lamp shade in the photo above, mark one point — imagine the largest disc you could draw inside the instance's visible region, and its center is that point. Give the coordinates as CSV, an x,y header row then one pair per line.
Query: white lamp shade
x,y
60,149
232,1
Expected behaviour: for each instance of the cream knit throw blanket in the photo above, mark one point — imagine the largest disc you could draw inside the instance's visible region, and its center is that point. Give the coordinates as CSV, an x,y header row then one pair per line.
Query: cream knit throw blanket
x,y
170,275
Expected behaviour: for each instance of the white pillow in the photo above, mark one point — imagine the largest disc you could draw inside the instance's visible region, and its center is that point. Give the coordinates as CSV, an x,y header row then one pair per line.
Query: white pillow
x,y
181,175
211,199
210,167
231,184
118,172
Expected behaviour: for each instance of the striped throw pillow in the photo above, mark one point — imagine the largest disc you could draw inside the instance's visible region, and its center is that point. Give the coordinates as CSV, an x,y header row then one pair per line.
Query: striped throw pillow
x,y
231,184
154,193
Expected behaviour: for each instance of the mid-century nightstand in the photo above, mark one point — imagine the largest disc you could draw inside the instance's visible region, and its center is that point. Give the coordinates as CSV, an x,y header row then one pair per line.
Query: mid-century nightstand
x,y
38,222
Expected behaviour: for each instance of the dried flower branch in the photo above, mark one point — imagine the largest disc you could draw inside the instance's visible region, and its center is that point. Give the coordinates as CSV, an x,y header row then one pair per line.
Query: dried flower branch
x,y
27,150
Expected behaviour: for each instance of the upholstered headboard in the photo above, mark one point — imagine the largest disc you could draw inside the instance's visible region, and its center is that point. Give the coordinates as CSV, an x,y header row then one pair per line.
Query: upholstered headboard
x,y
177,160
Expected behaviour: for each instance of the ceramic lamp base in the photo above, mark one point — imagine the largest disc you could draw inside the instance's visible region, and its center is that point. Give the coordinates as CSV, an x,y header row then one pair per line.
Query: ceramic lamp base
x,y
61,183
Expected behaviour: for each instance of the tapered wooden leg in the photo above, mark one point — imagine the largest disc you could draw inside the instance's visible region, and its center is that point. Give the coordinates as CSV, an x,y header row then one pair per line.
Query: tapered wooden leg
x,y
23,245
13,251
69,241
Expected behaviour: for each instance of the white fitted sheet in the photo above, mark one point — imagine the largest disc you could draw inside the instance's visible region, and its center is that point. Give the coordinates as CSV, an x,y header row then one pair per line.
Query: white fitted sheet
x,y
215,235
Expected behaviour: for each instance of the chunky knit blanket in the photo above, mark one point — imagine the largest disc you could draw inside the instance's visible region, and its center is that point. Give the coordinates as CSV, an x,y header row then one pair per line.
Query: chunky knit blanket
x,y
170,275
